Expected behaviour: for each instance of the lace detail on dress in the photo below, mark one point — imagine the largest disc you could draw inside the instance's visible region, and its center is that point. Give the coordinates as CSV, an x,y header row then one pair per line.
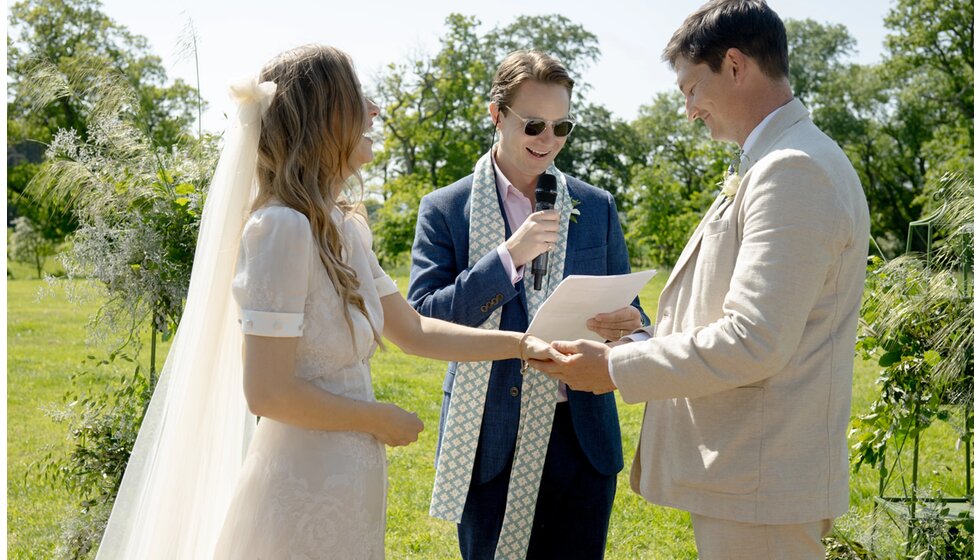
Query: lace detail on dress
x,y
316,504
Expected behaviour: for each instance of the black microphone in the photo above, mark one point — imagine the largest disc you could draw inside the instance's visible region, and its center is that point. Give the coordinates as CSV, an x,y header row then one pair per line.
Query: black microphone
x,y
545,193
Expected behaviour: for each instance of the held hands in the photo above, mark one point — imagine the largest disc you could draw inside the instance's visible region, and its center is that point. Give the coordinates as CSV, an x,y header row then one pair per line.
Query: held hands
x,y
396,426
537,234
615,324
583,367
533,348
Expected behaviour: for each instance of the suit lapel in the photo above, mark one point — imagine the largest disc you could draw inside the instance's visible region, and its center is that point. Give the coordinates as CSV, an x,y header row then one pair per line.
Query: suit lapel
x,y
793,113
693,242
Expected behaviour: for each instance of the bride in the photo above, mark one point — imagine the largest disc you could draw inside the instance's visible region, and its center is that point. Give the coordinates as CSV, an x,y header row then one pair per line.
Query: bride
x,y
312,304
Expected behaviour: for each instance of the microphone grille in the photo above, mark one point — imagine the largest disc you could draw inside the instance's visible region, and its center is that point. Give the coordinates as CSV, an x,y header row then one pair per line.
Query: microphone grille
x,y
547,188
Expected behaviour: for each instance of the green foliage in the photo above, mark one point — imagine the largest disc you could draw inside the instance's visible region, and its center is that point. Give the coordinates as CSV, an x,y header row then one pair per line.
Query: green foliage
x,y
662,218
432,108
670,192
394,222
136,184
102,428
938,535
576,47
58,50
28,245
139,211
917,320
933,42
51,218
602,152
816,57
931,69
63,57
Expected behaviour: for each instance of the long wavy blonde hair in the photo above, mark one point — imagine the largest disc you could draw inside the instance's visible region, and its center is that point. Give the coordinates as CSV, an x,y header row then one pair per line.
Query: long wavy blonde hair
x,y
310,134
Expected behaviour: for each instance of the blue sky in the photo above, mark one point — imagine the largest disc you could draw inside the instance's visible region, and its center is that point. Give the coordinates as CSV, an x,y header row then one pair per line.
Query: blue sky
x,y
236,38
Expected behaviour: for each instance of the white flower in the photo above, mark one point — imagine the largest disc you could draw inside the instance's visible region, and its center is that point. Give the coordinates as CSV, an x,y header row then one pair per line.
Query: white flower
x,y
575,212
730,185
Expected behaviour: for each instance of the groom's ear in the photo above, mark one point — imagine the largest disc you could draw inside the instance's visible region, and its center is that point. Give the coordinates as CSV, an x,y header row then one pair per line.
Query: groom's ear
x,y
735,64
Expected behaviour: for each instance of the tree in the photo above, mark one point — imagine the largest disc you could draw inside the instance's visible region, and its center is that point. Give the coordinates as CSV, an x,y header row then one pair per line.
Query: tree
x,y
934,38
602,151
27,245
573,45
676,182
931,62
60,53
71,43
816,57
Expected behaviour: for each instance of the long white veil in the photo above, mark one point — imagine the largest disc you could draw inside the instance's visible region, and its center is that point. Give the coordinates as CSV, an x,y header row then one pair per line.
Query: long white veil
x,y
185,463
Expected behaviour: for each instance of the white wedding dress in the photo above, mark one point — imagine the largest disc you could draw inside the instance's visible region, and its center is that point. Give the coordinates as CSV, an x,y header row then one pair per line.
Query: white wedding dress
x,y
307,493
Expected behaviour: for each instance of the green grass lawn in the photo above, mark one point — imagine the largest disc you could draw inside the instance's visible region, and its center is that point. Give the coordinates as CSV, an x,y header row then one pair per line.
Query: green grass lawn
x,y
47,341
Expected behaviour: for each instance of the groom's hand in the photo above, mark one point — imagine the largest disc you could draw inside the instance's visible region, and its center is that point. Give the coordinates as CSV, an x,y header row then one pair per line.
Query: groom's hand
x,y
585,367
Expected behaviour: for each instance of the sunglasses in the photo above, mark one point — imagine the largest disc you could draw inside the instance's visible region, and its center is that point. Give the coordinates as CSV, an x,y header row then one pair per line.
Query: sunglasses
x,y
533,127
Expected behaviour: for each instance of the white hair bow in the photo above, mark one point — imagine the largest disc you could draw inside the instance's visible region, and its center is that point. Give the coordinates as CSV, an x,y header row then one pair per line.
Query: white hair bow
x,y
253,98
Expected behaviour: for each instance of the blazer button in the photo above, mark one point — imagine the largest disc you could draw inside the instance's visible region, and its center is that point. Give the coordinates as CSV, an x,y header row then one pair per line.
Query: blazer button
x,y
483,308
514,391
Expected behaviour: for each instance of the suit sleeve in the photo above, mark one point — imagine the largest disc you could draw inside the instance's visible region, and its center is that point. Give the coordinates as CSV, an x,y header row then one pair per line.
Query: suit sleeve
x,y
794,231
438,287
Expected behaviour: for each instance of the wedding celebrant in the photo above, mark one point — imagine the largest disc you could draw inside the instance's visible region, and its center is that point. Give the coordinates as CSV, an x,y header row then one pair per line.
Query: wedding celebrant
x,y
538,460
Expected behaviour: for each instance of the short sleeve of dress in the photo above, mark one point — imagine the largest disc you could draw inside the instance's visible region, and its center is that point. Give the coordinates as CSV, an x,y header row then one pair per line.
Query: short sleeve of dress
x,y
382,281
272,276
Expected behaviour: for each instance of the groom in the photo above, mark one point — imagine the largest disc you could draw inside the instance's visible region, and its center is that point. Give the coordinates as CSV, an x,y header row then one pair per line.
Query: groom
x,y
469,267
747,376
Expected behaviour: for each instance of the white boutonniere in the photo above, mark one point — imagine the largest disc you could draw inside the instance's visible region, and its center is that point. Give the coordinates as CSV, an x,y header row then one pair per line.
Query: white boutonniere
x,y
730,185
575,213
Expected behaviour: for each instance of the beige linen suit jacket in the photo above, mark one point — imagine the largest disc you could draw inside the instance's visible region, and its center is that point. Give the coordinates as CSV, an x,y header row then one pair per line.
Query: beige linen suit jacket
x,y
747,376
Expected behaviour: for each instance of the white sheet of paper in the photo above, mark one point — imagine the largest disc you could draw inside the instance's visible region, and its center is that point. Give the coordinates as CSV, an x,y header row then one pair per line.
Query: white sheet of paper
x,y
578,298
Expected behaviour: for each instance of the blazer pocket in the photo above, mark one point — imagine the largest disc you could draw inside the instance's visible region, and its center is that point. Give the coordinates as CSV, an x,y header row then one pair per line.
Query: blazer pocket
x,y
716,444
590,260
715,227
589,253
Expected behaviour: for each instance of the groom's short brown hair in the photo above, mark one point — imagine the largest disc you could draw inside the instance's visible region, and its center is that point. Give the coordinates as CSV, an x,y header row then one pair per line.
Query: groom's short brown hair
x,y
750,26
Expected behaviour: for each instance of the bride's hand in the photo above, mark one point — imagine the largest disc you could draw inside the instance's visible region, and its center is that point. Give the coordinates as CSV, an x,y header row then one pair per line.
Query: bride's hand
x,y
534,348
396,426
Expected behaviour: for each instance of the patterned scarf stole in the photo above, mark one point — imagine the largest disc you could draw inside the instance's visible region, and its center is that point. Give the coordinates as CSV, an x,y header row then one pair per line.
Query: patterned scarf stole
x,y
538,397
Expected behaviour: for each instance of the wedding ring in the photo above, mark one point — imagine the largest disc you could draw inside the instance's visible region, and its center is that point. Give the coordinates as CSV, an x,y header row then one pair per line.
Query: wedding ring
x,y
621,333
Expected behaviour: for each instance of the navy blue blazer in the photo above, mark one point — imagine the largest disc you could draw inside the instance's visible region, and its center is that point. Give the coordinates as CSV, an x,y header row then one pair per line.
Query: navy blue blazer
x,y
443,285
